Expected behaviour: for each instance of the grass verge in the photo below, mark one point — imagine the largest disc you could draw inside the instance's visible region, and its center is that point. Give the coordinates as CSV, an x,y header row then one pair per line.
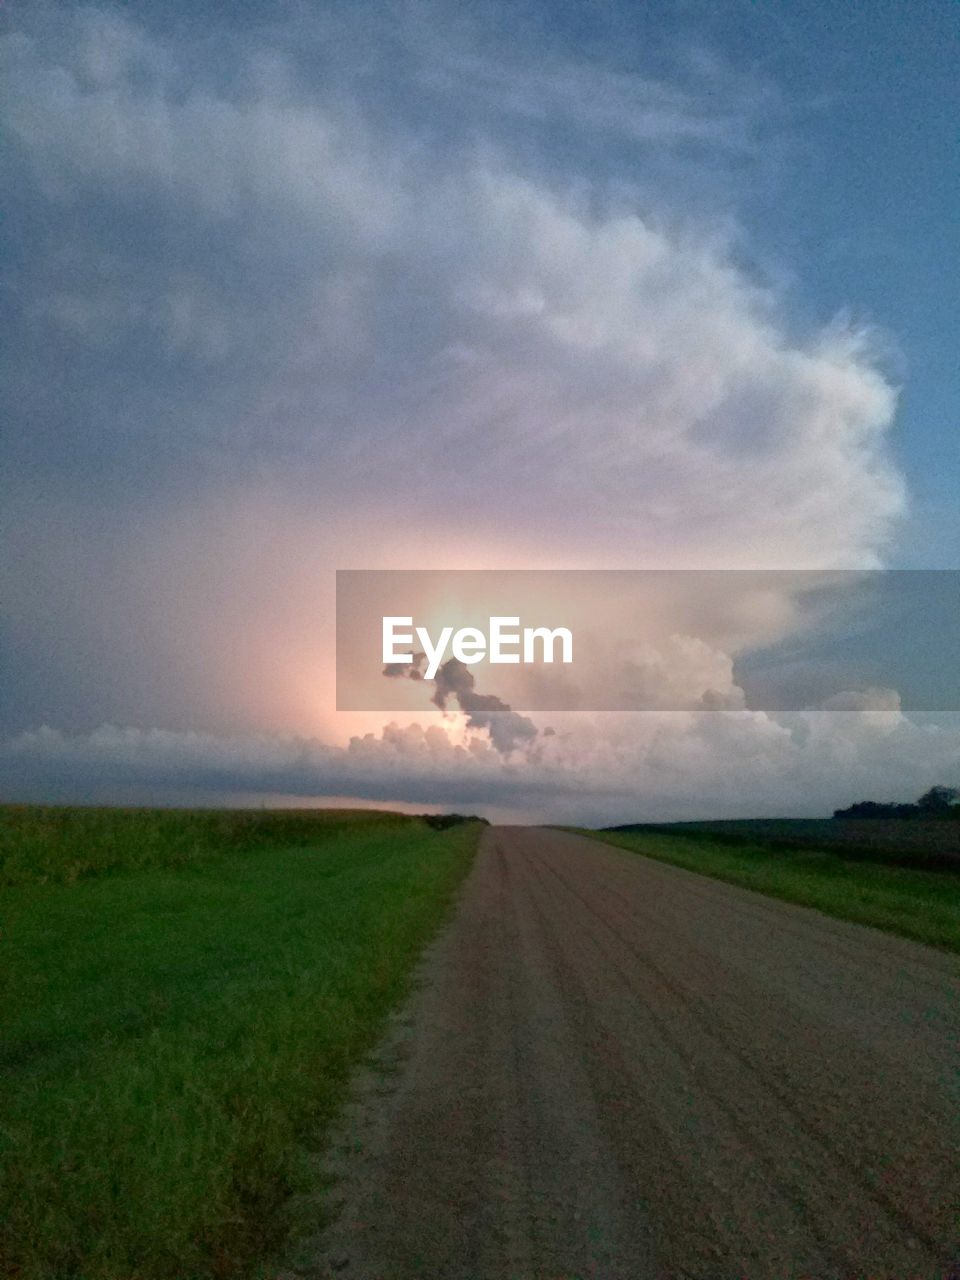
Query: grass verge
x,y
174,1030
922,905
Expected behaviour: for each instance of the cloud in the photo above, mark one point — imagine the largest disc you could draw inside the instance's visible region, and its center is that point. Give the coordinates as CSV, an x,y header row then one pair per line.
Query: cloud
x,y
609,769
621,382
593,97
507,729
454,680
268,325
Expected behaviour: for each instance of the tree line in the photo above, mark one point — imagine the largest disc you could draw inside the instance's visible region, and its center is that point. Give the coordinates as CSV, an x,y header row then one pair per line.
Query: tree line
x,y
938,802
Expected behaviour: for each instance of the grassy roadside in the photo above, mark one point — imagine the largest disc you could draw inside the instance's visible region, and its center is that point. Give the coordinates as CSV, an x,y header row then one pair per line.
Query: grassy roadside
x,y
173,1029
921,905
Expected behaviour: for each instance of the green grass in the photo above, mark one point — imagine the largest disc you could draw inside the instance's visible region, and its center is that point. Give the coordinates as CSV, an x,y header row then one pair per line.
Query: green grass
x,y
45,843
177,1029
930,844
922,905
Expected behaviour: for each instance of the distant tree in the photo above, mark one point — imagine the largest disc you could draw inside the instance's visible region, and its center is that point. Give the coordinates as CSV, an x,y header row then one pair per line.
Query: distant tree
x,y
440,821
938,799
873,809
937,802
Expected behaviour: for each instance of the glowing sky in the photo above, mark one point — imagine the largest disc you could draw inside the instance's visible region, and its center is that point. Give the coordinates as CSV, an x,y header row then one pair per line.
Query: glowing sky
x,y
294,289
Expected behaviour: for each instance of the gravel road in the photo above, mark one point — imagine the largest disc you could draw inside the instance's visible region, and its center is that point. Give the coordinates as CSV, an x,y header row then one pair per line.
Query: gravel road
x,y
615,1068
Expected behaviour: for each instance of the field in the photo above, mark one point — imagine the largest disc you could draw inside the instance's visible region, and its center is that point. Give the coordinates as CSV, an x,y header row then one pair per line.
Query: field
x,y
888,887
184,995
912,842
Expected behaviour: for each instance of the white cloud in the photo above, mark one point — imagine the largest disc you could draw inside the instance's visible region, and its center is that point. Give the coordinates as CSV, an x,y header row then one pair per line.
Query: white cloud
x,y
464,359
590,96
606,769
625,382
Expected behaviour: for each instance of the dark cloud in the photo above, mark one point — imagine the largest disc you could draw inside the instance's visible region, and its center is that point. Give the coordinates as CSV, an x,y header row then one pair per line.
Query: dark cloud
x,y
508,729
407,670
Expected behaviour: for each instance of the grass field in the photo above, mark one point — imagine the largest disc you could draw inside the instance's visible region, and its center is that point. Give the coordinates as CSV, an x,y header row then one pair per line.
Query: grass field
x,y
916,842
183,997
42,844
919,904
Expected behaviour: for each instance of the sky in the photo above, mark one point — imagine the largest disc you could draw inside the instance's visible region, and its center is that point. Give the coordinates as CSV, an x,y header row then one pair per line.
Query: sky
x,y
296,288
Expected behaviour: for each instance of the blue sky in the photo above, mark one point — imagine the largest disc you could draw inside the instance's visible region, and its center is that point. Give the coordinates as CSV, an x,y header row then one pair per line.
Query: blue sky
x,y
869,209
290,288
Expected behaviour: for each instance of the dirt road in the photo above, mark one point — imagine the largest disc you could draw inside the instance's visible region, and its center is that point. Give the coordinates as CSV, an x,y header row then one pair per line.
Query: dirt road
x,y
615,1068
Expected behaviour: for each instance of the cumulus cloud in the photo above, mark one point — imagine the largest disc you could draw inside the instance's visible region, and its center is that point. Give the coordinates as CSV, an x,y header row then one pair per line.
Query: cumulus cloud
x,y
454,680
567,359
507,729
659,766
267,328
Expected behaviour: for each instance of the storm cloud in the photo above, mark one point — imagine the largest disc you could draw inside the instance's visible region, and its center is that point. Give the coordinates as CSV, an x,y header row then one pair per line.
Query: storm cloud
x,y
275,312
